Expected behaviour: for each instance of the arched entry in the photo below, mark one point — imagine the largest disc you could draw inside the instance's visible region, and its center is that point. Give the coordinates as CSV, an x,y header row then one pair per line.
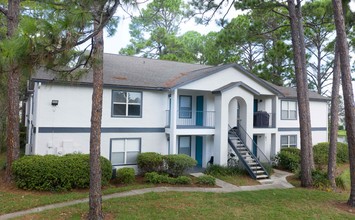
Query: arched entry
x,y
237,112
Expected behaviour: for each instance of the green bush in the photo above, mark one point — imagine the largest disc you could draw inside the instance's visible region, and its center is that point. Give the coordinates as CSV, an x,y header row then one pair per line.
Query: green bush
x,y
185,180
57,173
150,162
157,178
177,164
206,180
218,170
126,175
320,180
289,159
321,151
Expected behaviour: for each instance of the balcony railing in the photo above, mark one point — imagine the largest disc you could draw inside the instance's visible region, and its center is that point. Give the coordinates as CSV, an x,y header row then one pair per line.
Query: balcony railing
x,y
264,120
192,118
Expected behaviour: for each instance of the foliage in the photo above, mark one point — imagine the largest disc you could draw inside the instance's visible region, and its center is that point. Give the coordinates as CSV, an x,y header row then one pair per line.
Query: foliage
x,y
150,162
321,153
177,164
289,159
206,180
156,178
218,170
154,31
126,175
56,173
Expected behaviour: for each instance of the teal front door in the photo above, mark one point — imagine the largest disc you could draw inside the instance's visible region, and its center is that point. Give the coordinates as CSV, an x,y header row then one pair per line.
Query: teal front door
x,y
199,110
198,154
255,143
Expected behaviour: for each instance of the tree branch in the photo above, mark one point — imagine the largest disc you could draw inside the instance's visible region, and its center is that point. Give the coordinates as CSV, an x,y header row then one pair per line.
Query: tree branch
x,y
3,11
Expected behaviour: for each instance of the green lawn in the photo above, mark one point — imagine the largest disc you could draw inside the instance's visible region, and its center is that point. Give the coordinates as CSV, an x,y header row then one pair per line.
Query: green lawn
x,y
268,204
341,133
12,201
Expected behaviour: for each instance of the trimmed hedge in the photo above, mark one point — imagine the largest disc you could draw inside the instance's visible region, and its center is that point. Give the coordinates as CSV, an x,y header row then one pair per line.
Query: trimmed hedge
x,y
177,164
126,175
206,180
289,159
150,162
156,178
57,173
321,151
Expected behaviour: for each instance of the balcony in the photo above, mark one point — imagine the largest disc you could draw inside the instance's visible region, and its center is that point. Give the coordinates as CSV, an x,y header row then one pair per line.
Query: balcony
x,y
264,120
192,119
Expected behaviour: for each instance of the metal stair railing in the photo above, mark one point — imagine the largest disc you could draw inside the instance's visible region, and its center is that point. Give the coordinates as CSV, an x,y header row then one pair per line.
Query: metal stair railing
x,y
245,164
248,143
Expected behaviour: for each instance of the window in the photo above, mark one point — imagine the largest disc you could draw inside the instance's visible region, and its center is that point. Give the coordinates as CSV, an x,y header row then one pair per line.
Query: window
x,y
185,103
288,110
126,104
125,151
185,145
288,141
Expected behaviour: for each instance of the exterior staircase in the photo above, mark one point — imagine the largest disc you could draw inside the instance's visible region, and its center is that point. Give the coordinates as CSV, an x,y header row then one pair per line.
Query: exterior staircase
x,y
248,159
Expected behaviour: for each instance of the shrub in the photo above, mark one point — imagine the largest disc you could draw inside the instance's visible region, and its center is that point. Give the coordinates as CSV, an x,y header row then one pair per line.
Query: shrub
x,y
320,180
206,180
268,168
126,175
321,151
156,178
289,159
150,162
177,164
185,180
57,173
216,170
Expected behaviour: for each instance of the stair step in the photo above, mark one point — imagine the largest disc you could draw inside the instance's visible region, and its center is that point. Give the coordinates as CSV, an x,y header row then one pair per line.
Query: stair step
x,y
262,176
259,171
256,168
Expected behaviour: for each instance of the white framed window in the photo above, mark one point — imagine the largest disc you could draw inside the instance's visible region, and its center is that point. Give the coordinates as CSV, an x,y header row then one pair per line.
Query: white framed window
x,y
288,110
185,106
124,151
126,104
185,145
288,141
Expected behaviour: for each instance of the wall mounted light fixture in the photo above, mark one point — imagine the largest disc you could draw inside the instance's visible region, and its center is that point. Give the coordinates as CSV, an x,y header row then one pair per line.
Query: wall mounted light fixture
x,y
55,102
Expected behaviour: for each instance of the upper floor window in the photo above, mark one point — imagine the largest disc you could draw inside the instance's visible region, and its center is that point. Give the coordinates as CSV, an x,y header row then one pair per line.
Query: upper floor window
x,y
288,141
288,110
126,104
185,103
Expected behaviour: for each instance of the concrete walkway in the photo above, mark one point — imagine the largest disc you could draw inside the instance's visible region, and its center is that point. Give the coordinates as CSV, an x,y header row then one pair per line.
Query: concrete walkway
x,y
277,181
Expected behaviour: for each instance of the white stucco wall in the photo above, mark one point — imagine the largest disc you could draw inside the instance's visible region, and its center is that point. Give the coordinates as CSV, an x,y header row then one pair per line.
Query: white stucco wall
x,y
224,77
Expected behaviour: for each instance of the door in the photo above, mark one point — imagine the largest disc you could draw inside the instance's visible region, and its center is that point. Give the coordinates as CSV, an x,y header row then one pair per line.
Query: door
x,y
198,154
199,110
255,105
255,144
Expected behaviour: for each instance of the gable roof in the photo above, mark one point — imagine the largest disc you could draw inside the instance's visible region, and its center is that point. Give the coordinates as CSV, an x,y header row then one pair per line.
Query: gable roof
x,y
144,73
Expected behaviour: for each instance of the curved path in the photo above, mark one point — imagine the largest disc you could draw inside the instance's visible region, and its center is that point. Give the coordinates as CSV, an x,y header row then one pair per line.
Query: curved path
x,y
276,181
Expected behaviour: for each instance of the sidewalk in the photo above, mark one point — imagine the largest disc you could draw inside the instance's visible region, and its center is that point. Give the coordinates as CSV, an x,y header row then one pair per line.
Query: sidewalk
x,y
277,181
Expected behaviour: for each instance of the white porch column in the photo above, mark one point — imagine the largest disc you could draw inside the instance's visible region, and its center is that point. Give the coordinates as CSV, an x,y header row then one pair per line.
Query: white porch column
x,y
173,121
221,136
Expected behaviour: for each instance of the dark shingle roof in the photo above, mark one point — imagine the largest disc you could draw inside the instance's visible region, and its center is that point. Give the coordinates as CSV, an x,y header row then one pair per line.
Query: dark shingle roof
x,y
138,72
289,92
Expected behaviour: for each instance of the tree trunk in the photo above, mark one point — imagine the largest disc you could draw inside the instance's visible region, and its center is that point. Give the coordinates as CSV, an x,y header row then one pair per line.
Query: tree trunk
x,y
334,120
13,81
347,92
302,93
95,199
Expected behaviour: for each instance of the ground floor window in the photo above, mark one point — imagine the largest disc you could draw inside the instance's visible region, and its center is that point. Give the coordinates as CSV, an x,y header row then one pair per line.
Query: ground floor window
x,y
185,145
124,151
288,141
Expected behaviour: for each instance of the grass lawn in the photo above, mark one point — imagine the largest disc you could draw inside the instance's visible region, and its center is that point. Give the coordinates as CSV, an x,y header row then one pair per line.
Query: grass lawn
x,y
268,204
341,132
238,180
